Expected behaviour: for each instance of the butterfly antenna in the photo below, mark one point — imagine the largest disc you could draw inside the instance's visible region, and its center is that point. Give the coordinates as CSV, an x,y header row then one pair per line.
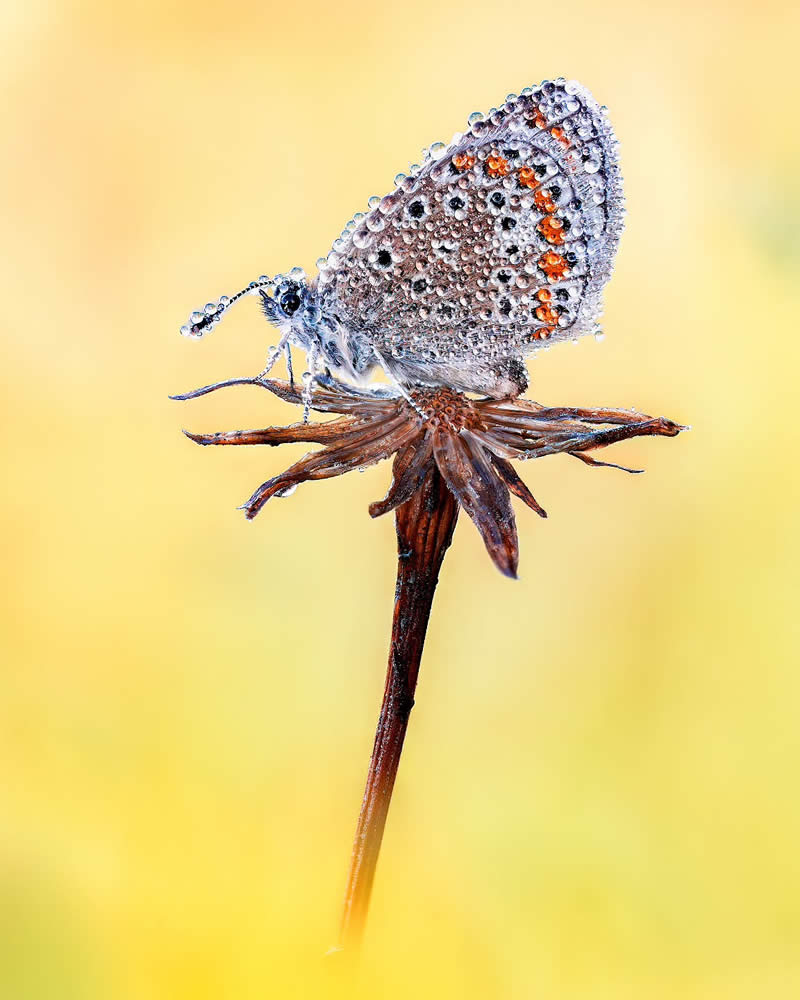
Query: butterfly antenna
x,y
204,320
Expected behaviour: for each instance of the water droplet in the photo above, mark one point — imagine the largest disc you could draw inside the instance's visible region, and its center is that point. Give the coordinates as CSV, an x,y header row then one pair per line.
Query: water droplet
x,y
389,203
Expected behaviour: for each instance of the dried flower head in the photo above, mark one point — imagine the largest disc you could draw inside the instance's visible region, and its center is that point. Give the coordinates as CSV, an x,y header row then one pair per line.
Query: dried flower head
x,y
470,441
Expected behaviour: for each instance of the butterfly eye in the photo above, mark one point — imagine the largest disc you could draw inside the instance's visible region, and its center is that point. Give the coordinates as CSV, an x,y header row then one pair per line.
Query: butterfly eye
x,y
290,303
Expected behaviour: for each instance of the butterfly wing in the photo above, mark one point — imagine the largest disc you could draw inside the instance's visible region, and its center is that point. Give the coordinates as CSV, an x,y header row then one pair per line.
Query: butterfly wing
x,y
499,243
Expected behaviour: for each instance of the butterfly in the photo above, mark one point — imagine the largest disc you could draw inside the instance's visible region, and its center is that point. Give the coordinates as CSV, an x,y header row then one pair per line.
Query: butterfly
x,y
499,243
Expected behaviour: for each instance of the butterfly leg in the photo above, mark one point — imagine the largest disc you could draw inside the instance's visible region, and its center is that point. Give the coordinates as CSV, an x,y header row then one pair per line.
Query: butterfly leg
x,y
273,356
289,369
398,384
309,378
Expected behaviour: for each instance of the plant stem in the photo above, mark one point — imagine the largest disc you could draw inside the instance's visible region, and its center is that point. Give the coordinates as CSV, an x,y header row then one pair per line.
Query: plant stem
x,y
425,526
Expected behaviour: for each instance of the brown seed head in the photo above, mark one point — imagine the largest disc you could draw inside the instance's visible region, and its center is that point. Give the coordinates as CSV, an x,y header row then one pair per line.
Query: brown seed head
x,y
447,409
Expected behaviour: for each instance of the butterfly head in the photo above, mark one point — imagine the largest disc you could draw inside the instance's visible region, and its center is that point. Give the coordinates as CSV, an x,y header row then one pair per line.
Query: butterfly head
x,y
289,302
293,304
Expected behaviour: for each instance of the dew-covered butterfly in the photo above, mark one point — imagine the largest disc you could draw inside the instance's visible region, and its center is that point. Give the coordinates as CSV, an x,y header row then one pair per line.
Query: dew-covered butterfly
x,y
497,244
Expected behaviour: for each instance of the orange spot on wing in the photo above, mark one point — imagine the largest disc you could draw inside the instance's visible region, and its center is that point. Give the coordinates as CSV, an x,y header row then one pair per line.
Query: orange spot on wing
x,y
536,119
527,177
552,229
547,314
553,265
543,200
463,161
497,165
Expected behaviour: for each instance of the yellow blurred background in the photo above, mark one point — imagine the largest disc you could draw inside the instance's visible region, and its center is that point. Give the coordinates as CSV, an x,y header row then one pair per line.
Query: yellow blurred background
x,y
599,793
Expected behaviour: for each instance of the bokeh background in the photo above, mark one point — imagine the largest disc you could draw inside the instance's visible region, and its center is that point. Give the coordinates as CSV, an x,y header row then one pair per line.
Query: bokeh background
x,y
599,792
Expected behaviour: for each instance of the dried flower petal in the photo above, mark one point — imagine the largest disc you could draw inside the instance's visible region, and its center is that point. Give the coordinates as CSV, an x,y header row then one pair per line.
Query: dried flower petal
x,y
329,433
516,485
410,467
588,460
483,495
365,448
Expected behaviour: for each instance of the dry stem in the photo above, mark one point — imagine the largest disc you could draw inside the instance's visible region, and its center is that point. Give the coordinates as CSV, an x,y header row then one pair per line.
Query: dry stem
x,y
425,526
